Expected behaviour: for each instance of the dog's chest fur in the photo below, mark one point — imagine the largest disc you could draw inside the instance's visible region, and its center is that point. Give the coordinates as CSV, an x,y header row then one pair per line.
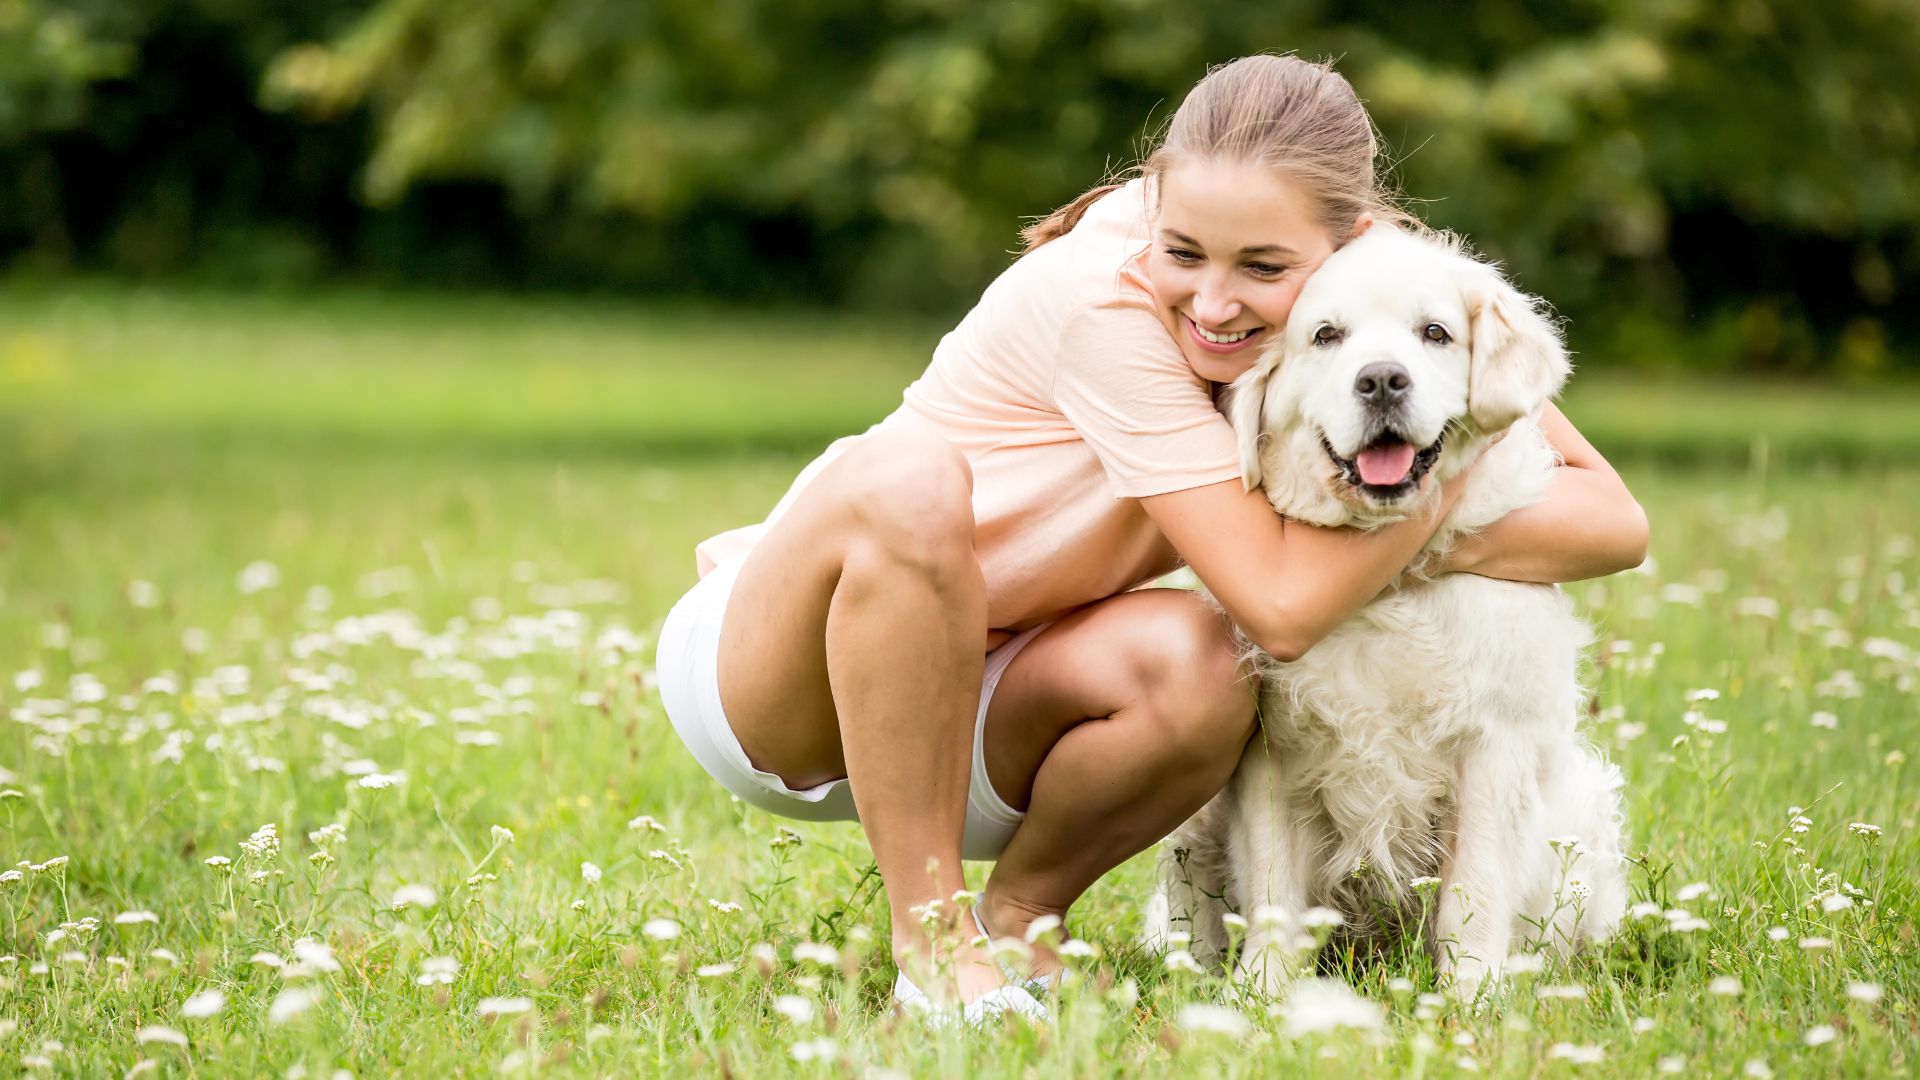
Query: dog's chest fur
x,y
1374,719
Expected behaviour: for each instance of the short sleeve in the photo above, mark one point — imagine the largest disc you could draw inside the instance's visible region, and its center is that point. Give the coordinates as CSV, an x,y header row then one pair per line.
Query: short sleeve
x,y
1122,383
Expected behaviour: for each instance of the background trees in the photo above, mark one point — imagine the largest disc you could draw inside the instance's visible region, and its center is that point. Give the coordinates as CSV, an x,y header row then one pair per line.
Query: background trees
x,y
1703,182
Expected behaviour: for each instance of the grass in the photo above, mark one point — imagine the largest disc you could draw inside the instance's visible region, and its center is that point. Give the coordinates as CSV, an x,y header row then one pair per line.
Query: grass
x,y
253,551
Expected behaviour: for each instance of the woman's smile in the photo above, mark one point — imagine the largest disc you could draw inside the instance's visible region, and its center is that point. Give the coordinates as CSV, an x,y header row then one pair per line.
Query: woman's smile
x,y
1220,342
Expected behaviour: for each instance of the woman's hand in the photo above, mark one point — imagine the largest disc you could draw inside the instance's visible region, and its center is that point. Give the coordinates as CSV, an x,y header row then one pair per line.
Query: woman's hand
x,y
1587,525
1287,584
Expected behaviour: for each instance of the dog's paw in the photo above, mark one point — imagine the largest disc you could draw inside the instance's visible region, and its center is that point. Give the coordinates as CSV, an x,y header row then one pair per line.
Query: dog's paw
x,y
1265,971
1473,982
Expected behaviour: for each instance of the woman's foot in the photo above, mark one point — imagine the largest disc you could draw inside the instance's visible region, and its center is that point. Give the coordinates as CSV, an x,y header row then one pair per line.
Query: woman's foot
x,y
968,984
1000,922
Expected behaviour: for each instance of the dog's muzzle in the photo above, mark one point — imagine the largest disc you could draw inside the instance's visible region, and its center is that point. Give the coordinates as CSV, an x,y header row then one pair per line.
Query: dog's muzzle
x,y
1388,466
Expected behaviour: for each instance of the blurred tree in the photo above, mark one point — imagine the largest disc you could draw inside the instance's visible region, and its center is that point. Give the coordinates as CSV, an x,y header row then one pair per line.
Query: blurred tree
x,y
1751,165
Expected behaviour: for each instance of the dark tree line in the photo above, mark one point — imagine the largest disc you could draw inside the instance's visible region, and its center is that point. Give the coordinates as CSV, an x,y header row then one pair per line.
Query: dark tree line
x,y
1715,182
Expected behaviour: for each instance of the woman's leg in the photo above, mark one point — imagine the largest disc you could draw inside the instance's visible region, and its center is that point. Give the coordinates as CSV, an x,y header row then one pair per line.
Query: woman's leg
x,y
1111,728
853,645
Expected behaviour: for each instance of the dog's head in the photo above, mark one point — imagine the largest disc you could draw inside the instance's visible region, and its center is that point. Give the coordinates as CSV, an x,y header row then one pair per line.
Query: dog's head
x,y
1404,355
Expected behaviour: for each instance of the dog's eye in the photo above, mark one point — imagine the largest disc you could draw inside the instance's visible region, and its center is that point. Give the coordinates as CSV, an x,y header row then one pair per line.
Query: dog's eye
x,y
1436,334
1326,335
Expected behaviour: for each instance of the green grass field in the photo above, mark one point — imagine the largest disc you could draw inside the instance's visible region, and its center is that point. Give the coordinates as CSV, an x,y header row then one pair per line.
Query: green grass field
x,y
394,565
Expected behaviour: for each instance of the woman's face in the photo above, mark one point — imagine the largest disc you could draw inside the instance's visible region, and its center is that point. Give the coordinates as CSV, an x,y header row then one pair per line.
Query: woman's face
x,y
1232,246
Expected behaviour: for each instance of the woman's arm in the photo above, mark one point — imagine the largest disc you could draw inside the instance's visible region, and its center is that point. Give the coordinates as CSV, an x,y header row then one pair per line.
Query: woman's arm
x,y
1588,525
1287,584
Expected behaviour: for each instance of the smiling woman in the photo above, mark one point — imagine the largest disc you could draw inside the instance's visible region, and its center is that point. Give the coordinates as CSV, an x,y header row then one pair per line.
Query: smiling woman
x,y
1235,244
940,630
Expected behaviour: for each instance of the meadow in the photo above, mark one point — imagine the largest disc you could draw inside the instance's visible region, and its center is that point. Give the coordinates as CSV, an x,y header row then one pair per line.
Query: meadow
x,y
333,741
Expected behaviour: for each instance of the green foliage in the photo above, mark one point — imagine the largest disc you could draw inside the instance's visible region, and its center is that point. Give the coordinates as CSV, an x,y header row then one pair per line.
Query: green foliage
x,y
50,55
1593,145
1749,169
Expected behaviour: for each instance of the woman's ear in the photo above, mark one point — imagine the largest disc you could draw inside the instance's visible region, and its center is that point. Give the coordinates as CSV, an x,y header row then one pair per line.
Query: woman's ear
x,y
1361,224
1247,411
1518,360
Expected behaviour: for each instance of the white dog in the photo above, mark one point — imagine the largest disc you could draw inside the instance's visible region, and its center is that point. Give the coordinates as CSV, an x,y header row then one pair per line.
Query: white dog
x,y
1435,732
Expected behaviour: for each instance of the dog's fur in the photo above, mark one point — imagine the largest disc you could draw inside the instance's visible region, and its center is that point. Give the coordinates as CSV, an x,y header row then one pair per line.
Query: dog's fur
x,y
1435,732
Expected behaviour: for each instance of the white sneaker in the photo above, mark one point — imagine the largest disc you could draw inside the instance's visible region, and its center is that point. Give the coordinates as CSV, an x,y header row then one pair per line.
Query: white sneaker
x,y
982,1010
1034,985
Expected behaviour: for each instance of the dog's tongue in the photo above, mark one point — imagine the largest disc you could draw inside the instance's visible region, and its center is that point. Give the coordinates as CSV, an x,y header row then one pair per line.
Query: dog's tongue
x,y
1385,466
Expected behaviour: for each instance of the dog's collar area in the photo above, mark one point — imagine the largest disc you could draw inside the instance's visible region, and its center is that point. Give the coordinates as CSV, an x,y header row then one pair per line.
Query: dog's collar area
x,y
1422,463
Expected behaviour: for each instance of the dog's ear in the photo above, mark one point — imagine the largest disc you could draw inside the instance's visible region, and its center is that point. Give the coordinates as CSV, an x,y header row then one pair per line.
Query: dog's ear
x,y
1519,361
1247,411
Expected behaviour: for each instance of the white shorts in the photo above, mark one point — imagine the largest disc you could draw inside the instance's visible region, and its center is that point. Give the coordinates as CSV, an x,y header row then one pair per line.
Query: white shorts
x,y
687,664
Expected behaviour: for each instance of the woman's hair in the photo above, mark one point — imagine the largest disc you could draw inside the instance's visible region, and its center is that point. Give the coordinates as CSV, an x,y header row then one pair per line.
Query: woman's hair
x,y
1300,119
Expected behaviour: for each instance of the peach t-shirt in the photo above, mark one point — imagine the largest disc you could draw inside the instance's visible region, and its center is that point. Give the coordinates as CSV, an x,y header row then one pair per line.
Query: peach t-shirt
x,y
1070,399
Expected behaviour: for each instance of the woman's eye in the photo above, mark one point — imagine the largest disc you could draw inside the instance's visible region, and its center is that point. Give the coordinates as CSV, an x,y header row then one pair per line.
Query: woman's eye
x,y
1436,334
1266,269
1326,335
1182,255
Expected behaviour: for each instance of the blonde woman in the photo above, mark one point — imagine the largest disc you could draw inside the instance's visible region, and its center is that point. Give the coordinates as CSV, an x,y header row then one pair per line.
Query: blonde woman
x,y
938,631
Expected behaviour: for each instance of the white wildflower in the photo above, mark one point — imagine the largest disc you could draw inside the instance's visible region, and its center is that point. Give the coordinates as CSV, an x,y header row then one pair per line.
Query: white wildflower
x,y
1812,943
415,895
502,836
1690,893
646,823
1821,1035
820,1049
258,576
1864,992
1319,1005
158,1033
1576,1054
316,955
133,918
810,952
1522,964
1042,926
724,907
1182,960
661,929
589,873
714,971
503,1006
437,971
797,1009
204,1004
1724,986
291,1003
1213,1020
1320,918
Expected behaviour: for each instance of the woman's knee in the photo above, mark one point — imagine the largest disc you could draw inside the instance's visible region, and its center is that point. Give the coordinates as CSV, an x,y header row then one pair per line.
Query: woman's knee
x,y
907,498
1189,683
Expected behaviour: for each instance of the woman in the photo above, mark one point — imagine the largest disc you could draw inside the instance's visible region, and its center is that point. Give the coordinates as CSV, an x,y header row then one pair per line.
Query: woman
x,y
937,632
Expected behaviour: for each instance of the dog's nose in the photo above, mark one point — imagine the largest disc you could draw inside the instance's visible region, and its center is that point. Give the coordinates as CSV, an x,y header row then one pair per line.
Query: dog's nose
x,y
1382,383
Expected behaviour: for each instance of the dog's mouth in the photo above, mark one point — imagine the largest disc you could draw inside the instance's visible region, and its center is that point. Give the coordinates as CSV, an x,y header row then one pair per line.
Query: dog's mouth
x,y
1387,467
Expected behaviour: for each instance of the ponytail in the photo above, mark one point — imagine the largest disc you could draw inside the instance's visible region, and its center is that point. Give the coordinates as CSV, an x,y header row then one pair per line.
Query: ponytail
x,y
1061,221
